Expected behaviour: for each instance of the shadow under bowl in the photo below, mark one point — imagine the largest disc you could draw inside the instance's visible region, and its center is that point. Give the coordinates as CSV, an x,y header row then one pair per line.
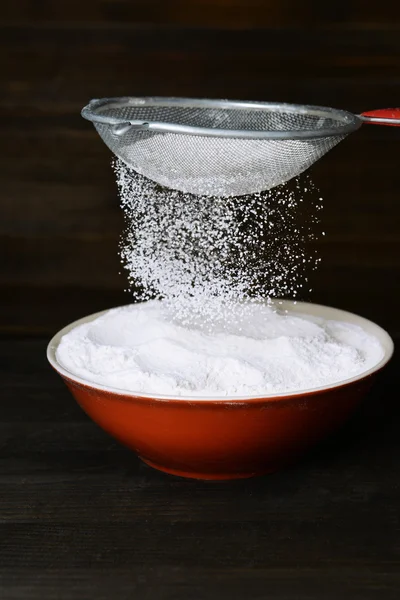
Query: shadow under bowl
x,y
230,437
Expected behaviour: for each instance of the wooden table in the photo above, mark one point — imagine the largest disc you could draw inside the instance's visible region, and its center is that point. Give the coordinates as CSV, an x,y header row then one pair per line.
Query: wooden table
x,y
82,517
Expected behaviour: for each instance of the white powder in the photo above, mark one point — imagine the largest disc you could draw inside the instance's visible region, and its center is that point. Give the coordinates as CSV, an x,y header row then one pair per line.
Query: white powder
x,y
212,260
142,348
198,252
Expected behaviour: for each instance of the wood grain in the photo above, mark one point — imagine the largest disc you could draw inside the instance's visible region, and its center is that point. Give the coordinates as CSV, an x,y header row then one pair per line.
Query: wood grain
x,y
60,222
79,513
81,516
53,68
228,13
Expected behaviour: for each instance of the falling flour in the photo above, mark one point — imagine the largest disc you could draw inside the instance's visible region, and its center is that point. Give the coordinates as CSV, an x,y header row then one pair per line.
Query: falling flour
x,y
142,348
200,253
207,269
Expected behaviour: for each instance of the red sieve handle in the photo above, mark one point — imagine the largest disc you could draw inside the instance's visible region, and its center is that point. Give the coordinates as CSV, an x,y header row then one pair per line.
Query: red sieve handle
x,y
383,116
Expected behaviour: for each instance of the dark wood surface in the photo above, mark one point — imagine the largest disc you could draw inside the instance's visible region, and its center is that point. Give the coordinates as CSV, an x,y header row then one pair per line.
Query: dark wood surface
x,y
81,517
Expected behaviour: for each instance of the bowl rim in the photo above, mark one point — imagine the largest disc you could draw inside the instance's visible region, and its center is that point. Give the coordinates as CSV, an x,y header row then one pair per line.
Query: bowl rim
x,y
298,307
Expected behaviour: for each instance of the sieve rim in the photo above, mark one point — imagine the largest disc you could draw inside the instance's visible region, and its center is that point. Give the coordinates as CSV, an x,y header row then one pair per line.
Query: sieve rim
x,y
92,112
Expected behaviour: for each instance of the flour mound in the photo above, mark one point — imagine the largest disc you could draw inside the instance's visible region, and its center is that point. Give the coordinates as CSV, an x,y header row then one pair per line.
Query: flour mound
x,y
143,348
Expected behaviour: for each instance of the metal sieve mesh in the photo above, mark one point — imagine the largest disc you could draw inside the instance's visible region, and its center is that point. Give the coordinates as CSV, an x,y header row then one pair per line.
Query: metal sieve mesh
x,y
214,147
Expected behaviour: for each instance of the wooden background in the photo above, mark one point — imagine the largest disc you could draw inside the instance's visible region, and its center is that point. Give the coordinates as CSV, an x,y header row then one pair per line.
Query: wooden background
x,y
81,516
60,221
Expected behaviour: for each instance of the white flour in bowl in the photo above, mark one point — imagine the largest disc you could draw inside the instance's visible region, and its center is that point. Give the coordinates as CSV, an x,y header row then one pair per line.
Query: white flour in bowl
x,y
141,348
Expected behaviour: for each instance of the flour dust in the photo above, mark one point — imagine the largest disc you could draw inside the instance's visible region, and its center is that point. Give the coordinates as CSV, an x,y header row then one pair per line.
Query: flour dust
x,y
205,254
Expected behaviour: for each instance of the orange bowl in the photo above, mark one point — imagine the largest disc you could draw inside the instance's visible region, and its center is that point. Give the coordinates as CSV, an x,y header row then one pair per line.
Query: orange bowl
x,y
230,437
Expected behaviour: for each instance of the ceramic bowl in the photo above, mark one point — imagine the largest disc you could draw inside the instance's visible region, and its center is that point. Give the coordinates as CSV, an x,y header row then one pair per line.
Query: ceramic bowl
x,y
230,437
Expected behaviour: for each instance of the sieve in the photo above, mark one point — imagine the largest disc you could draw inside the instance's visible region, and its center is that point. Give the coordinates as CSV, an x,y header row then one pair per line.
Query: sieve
x,y
221,147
